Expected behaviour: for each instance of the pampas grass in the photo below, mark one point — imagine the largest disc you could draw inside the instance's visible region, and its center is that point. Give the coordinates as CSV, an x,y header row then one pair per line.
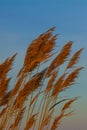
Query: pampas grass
x,y
31,103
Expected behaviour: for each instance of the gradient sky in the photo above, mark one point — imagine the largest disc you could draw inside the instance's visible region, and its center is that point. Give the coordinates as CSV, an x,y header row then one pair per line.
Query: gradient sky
x,y
21,21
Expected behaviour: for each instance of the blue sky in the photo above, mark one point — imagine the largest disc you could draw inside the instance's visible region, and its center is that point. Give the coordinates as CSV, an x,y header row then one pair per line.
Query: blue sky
x,y
21,21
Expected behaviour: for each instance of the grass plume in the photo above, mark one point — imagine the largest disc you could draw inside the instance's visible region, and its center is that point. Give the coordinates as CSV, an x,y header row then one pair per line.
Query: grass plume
x,y
31,103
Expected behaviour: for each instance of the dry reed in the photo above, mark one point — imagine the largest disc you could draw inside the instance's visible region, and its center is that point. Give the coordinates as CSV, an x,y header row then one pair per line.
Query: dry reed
x,y
36,91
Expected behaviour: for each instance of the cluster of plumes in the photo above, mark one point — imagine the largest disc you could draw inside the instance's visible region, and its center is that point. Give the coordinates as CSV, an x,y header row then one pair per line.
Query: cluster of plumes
x,y
32,101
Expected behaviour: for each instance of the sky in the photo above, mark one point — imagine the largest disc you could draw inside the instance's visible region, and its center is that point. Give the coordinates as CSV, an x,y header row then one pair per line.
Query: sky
x,y
21,21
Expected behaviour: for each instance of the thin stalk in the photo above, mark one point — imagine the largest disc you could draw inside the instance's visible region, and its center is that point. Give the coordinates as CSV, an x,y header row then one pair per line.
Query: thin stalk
x,y
43,106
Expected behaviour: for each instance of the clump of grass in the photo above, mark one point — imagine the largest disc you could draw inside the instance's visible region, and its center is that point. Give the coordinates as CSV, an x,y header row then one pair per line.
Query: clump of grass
x,y
31,102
